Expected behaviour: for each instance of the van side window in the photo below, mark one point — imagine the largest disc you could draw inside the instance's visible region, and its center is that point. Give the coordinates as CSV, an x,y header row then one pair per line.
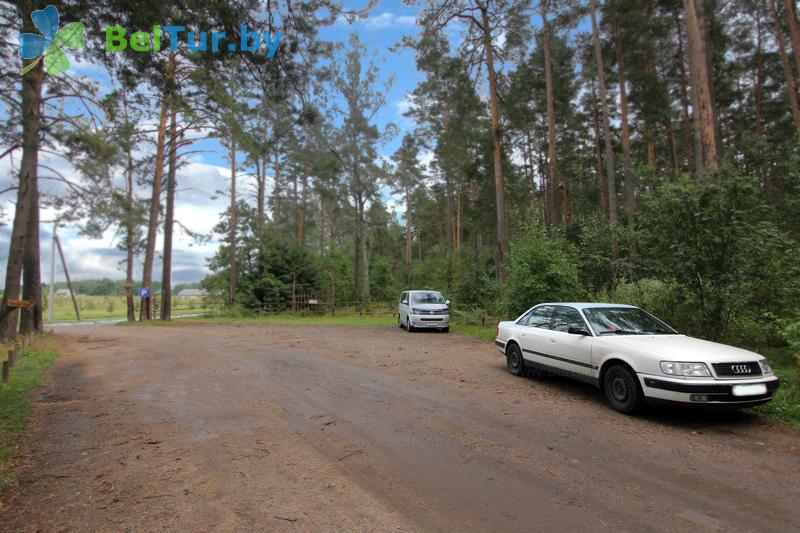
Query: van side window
x,y
404,298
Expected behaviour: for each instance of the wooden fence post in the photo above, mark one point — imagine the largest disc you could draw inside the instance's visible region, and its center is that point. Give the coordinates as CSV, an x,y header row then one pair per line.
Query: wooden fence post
x,y
6,367
11,355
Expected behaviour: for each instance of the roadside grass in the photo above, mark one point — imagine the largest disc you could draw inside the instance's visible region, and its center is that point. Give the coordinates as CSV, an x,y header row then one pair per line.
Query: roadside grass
x,y
110,307
15,406
486,332
288,318
785,405
475,330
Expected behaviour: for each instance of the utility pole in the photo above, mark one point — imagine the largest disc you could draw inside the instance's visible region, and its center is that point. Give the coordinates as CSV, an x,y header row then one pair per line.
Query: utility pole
x,y
51,300
66,274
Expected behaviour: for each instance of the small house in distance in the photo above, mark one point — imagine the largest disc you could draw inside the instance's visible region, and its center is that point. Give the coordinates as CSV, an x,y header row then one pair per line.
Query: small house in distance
x,y
196,293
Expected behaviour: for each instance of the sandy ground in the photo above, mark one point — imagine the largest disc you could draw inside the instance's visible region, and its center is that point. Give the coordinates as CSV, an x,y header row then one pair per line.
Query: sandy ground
x,y
331,428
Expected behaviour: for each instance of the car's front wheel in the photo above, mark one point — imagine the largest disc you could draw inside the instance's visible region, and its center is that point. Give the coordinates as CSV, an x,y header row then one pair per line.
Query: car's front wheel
x,y
514,360
409,327
622,390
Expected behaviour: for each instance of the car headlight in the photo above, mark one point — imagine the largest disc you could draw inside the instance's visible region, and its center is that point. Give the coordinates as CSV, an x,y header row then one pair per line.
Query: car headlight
x,y
675,368
765,368
416,311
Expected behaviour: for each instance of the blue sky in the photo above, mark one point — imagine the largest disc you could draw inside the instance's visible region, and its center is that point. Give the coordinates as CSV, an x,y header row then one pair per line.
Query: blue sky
x,y
197,206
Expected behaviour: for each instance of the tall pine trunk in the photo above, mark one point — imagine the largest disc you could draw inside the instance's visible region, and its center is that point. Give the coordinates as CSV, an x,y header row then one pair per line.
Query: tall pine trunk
x,y
169,218
301,223
688,136
791,89
146,306
627,166
358,250
555,208
129,236
276,205
261,196
602,186
758,82
794,32
497,142
367,296
611,176
27,194
31,319
409,238
232,228
702,97
609,148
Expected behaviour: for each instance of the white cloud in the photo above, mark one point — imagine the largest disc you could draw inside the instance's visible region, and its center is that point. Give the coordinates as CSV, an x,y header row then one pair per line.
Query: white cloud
x,y
404,104
381,21
387,20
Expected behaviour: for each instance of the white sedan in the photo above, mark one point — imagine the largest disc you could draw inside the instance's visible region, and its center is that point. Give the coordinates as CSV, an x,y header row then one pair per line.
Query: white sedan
x,y
633,357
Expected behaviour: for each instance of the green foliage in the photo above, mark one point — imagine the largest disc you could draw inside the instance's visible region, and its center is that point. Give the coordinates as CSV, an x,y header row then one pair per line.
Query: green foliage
x,y
728,266
269,270
791,334
656,296
541,268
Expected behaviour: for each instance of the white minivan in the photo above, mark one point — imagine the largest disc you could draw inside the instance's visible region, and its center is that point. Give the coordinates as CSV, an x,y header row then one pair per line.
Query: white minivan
x,y
424,310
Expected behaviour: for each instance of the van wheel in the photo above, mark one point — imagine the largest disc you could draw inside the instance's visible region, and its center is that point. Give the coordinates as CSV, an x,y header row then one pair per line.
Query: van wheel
x,y
622,390
445,330
514,360
399,321
409,327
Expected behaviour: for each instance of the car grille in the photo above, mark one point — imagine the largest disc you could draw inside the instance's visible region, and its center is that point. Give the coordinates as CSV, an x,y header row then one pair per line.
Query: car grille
x,y
737,370
432,312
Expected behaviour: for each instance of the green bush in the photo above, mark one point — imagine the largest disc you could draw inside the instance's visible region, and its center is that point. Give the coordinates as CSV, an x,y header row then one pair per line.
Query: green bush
x,y
654,296
541,268
791,334
732,270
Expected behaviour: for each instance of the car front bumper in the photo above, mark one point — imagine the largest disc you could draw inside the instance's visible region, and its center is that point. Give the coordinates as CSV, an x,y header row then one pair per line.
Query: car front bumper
x,y
429,321
707,392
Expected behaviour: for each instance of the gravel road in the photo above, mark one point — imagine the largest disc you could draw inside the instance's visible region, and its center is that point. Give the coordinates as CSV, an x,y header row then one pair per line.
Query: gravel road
x,y
331,428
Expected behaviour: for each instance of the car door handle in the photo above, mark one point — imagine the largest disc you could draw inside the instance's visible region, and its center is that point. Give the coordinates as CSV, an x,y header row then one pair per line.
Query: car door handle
x,y
552,340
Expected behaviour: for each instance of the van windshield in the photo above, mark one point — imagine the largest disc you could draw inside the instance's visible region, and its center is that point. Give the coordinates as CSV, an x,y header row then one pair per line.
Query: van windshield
x,y
426,297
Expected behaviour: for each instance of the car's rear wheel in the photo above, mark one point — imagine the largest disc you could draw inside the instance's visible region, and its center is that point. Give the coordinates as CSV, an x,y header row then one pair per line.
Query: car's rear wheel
x,y
622,390
514,360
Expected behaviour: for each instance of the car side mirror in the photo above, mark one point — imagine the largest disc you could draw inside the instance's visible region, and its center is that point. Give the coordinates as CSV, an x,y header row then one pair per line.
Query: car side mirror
x,y
573,330
447,303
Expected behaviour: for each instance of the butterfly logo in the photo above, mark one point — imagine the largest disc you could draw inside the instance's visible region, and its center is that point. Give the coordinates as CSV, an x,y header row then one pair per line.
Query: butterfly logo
x,y
51,43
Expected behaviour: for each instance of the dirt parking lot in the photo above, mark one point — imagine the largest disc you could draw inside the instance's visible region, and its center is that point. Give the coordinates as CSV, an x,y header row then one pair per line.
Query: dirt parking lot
x,y
332,428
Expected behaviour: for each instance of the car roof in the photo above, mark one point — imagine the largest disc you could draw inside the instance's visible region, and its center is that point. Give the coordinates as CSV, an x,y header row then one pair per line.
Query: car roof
x,y
424,290
585,305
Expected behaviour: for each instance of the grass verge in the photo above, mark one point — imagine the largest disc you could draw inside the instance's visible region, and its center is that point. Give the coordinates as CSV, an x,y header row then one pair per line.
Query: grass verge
x,y
15,406
486,332
785,405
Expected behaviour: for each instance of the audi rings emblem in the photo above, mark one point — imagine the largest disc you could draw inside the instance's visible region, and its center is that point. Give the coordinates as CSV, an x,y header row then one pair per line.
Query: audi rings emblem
x,y
741,369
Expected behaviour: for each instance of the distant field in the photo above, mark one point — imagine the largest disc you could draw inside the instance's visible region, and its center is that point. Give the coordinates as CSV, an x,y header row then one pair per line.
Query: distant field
x,y
97,307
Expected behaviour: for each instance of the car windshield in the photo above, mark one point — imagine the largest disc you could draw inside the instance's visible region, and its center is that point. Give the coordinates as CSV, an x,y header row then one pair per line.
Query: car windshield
x,y
625,321
427,297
